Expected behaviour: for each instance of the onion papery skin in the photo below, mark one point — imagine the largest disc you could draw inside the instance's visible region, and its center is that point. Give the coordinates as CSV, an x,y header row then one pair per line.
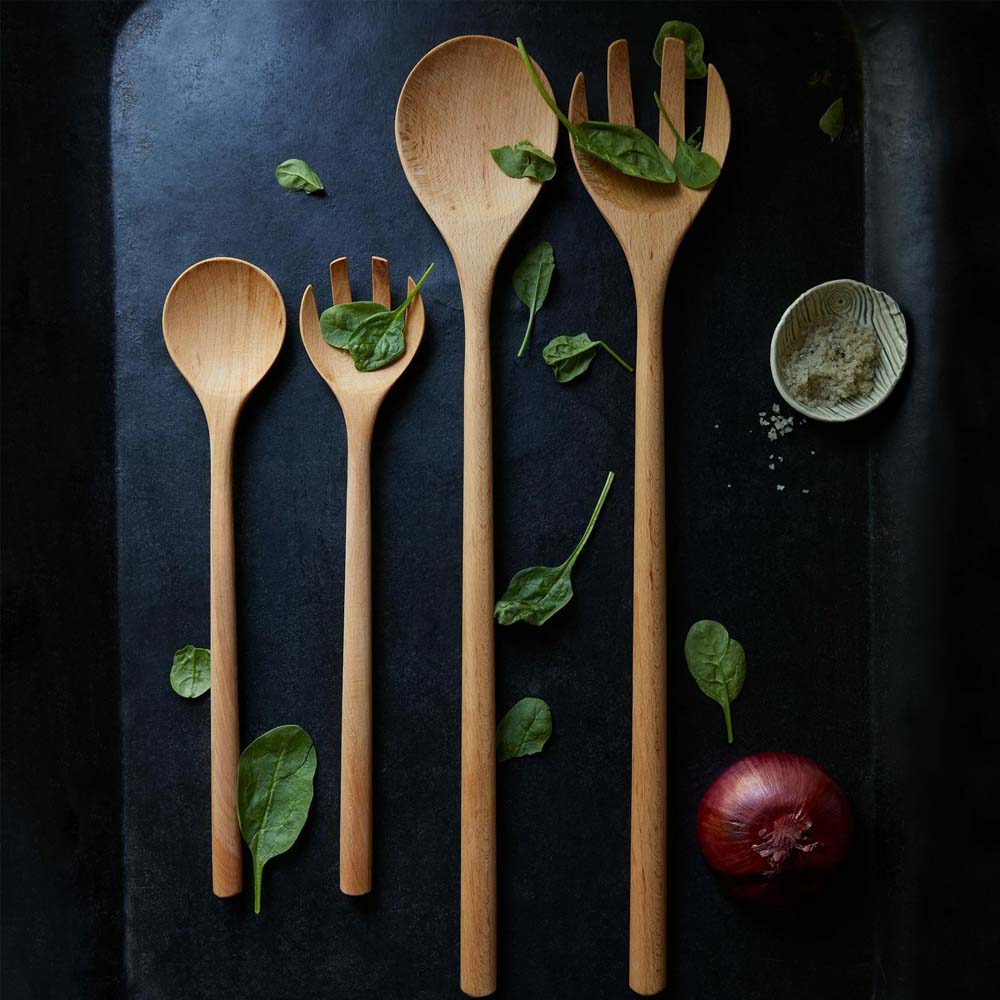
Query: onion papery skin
x,y
774,826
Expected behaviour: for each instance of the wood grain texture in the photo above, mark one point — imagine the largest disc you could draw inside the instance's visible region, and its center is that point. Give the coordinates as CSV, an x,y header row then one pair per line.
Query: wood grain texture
x,y
466,96
649,220
223,323
360,394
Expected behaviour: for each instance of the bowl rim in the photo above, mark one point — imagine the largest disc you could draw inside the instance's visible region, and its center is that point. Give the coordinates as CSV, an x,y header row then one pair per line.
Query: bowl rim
x,y
807,411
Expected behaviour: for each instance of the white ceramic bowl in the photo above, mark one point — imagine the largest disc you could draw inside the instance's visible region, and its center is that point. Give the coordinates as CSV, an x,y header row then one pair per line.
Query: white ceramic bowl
x,y
867,305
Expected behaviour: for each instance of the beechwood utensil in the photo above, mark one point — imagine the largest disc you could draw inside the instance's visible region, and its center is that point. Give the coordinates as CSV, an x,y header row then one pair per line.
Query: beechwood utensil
x,y
466,96
649,220
223,323
360,394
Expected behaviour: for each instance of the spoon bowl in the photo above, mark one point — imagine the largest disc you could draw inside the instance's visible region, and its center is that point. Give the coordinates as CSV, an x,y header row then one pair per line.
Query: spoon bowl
x,y
464,98
223,323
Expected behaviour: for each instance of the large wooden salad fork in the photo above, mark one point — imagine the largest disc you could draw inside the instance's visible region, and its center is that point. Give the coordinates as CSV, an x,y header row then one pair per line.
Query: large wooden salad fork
x,y
360,394
463,98
223,323
649,220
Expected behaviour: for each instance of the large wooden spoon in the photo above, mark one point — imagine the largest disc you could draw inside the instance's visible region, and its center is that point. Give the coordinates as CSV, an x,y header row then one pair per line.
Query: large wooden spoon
x,y
463,98
223,321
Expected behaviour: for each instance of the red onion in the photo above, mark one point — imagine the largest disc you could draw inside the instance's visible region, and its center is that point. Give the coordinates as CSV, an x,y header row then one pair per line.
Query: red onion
x,y
774,826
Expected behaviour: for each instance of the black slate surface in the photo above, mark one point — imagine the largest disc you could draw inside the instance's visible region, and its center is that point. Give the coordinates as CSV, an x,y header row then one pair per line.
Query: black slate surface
x,y
205,102
835,593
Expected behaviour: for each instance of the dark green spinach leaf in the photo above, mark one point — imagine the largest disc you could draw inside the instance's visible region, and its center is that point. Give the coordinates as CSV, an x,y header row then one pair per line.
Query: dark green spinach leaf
x,y
535,594
191,674
532,278
338,322
274,792
628,149
297,175
696,169
717,662
571,356
379,339
832,121
524,160
524,729
694,48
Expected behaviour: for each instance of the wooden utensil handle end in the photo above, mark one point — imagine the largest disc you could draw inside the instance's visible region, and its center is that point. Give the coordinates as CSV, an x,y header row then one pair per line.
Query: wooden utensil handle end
x,y
227,880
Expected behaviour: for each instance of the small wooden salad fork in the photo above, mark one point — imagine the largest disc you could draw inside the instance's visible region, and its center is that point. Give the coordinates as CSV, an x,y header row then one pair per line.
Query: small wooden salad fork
x,y
360,394
649,220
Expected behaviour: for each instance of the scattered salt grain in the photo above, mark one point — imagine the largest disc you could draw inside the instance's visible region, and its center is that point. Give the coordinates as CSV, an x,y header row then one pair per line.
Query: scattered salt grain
x,y
770,465
780,488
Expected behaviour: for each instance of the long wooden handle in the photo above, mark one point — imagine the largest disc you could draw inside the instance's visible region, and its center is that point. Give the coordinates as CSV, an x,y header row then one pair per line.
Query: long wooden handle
x,y
227,854
479,866
356,708
648,872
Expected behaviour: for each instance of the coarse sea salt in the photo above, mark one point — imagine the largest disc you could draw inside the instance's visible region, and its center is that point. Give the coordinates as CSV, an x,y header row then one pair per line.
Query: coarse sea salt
x,y
834,362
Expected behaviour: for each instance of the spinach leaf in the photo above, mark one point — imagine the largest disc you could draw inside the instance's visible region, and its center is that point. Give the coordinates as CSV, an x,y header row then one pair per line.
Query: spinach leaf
x,y
297,175
274,789
694,168
524,729
535,594
717,662
694,48
524,160
379,339
832,121
338,322
571,356
628,149
191,674
532,278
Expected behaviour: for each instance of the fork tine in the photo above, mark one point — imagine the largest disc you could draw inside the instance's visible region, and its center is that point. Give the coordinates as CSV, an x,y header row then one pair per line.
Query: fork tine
x,y
717,120
672,93
415,314
620,110
340,281
380,281
309,327
578,101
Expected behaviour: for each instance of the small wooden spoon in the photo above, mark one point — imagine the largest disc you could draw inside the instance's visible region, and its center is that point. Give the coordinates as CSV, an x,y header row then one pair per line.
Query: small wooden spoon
x,y
223,322
360,394
466,96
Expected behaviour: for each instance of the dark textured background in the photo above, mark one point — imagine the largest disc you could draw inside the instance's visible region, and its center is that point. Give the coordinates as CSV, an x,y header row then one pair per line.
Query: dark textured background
x,y
153,146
